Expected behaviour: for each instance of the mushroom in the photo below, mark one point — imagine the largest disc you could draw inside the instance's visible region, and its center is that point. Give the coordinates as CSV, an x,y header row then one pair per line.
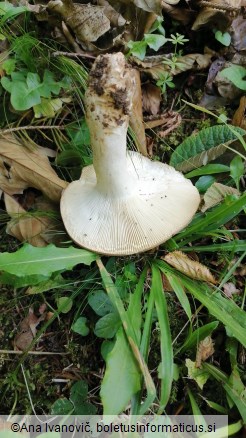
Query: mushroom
x,y
124,203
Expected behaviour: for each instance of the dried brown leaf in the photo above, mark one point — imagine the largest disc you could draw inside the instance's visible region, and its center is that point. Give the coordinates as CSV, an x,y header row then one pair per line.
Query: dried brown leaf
x,y
27,330
136,117
22,168
189,267
151,98
25,226
88,22
204,351
155,67
216,13
239,118
230,289
215,194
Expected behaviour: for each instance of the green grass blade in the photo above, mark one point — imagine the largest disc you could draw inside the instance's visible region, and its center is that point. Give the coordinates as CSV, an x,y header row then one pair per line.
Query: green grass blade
x,y
198,335
221,308
238,399
181,295
130,334
235,246
166,366
214,219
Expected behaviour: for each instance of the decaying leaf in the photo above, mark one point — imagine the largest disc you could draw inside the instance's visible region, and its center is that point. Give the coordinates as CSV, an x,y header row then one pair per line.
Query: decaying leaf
x,y
151,98
22,168
32,227
155,66
217,13
115,18
27,329
238,40
169,121
199,375
146,5
230,289
49,107
215,194
239,118
189,267
136,117
204,351
88,22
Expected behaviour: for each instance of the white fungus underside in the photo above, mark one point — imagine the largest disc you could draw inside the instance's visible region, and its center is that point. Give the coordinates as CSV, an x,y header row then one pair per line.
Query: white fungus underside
x,y
163,203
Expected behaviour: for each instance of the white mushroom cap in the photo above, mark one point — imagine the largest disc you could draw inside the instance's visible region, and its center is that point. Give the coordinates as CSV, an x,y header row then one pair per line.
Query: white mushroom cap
x,y
124,203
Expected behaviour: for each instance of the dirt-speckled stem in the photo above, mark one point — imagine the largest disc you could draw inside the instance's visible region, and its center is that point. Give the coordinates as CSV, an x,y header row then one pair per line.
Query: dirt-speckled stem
x,y
108,102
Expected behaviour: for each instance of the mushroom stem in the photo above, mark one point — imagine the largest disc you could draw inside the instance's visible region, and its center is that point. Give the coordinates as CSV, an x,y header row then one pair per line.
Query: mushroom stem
x,y
108,101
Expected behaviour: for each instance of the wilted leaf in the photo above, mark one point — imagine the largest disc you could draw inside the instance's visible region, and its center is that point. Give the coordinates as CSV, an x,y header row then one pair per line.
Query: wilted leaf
x,y
136,118
22,168
151,98
155,66
239,118
216,193
88,22
27,226
204,351
189,267
230,289
199,149
146,5
217,13
27,330
49,107
200,376
239,33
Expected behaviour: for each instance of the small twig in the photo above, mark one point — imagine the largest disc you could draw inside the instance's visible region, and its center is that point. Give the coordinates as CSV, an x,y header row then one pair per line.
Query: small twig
x,y
73,55
33,127
37,353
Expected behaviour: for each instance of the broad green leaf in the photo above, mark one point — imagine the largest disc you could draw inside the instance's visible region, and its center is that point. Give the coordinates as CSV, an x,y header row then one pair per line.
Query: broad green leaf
x,y
8,11
80,326
21,97
64,304
236,74
155,41
100,302
27,280
166,367
220,307
204,182
122,377
30,260
9,66
198,335
138,49
62,406
79,392
223,38
238,397
199,375
237,169
107,326
209,169
197,150
132,345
